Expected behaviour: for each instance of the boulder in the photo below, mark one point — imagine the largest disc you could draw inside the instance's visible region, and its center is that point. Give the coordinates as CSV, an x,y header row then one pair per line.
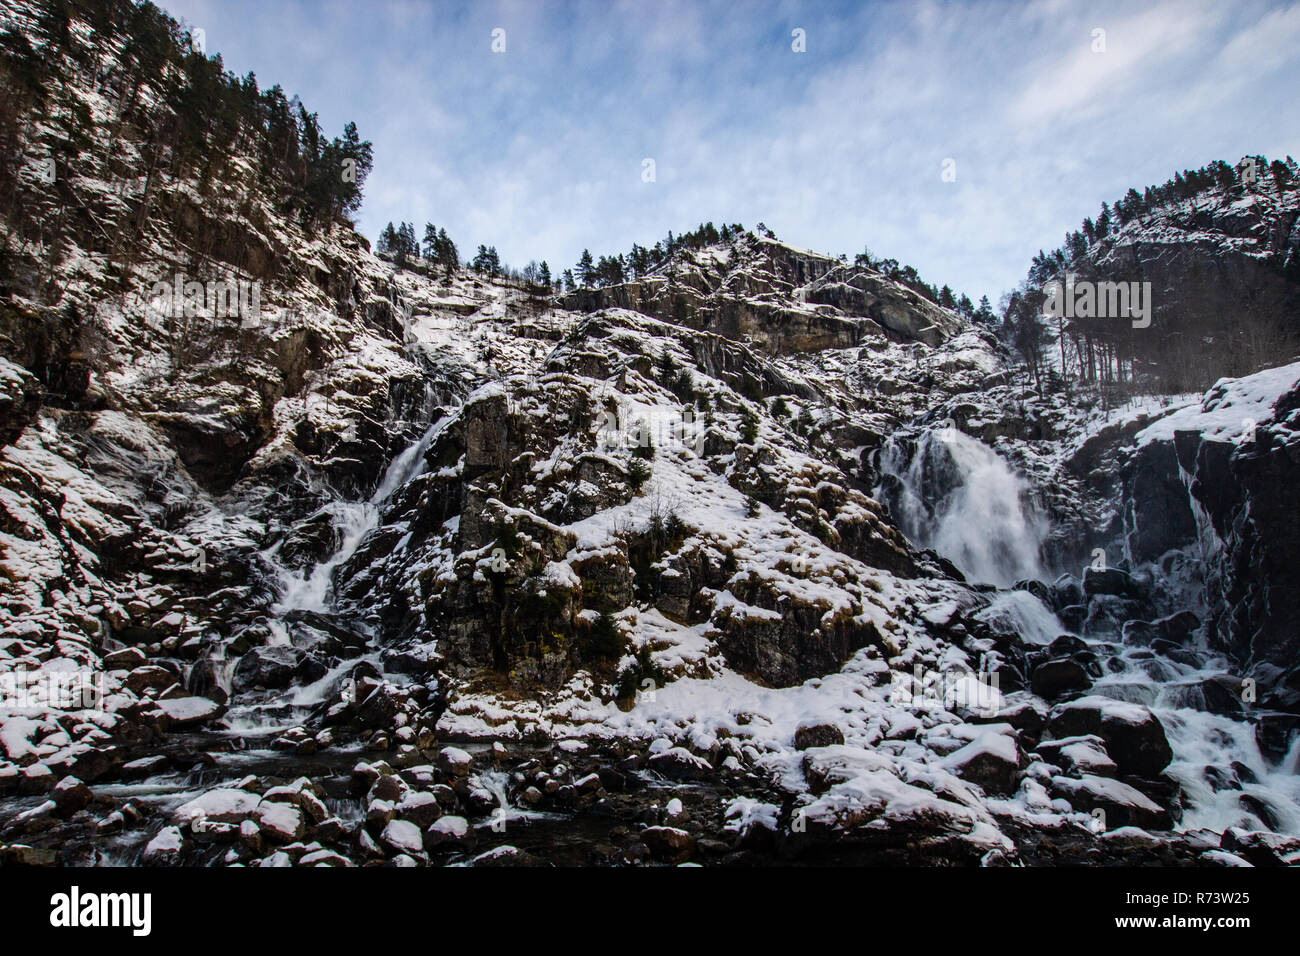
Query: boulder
x,y
991,761
817,735
1135,738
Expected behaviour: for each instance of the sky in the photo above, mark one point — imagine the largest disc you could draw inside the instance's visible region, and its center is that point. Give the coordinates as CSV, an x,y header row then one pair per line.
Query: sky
x,y
959,138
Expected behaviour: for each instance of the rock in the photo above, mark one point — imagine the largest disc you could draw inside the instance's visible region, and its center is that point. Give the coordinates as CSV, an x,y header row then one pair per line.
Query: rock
x,y
1134,736
454,762
20,398
251,836
185,712
669,844
165,848
1260,848
991,761
817,735
678,763
1065,591
275,667
21,855
1086,754
419,807
1108,581
70,795
1054,678
222,805
1122,804
125,659
403,836
280,822
149,677
447,832
1073,616
1178,627
1027,716
1107,614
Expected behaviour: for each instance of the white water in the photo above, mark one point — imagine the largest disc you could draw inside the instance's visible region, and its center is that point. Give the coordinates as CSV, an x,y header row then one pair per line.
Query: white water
x,y
981,521
1021,612
311,590
1200,740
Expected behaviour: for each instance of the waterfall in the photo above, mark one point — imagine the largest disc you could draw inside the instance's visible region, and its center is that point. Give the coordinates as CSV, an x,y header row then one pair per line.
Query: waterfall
x,y
311,590
956,495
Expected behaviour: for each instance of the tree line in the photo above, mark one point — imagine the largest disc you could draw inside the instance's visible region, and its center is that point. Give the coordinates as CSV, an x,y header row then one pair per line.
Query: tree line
x,y
1098,352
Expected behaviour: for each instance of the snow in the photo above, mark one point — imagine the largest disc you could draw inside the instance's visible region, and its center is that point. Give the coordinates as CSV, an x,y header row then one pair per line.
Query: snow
x,y
1230,409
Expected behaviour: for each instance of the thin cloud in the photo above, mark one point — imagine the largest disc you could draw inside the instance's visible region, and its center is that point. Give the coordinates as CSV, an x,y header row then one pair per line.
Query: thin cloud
x,y
538,150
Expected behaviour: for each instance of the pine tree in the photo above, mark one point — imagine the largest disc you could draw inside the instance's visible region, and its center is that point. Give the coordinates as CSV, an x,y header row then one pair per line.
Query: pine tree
x,y
544,276
586,268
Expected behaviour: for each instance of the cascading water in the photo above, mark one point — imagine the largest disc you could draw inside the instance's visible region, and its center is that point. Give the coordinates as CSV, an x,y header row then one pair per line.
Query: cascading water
x,y
952,493
956,495
312,590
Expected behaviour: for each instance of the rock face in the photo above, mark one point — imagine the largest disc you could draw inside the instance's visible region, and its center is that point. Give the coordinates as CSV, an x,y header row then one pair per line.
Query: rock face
x,y
19,400
1237,478
783,299
624,534
1204,260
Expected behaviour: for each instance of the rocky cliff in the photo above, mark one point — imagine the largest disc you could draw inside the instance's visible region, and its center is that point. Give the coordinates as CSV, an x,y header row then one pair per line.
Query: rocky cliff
x,y
378,570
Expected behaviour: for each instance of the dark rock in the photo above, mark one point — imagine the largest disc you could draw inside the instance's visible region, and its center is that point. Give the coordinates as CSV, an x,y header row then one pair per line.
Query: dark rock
x,y
818,735
1073,616
1108,581
70,795
668,843
1134,736
1053,678
1065,592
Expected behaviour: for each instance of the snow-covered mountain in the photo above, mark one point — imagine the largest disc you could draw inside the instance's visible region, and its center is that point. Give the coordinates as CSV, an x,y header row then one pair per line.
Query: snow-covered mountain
x,y
407,564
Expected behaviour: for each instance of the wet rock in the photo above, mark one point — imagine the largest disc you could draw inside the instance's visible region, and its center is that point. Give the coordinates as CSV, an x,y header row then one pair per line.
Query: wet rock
x,y
1107,614
70,795
1054,678
1178,627
669,844
1073,616
1065,591
275,667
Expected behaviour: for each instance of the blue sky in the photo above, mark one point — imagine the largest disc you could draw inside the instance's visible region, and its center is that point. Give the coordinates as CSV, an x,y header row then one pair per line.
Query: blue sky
x,y
539,150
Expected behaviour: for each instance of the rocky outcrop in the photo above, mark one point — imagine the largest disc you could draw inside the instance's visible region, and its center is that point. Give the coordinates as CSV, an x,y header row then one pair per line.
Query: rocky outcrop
x,y
20,397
